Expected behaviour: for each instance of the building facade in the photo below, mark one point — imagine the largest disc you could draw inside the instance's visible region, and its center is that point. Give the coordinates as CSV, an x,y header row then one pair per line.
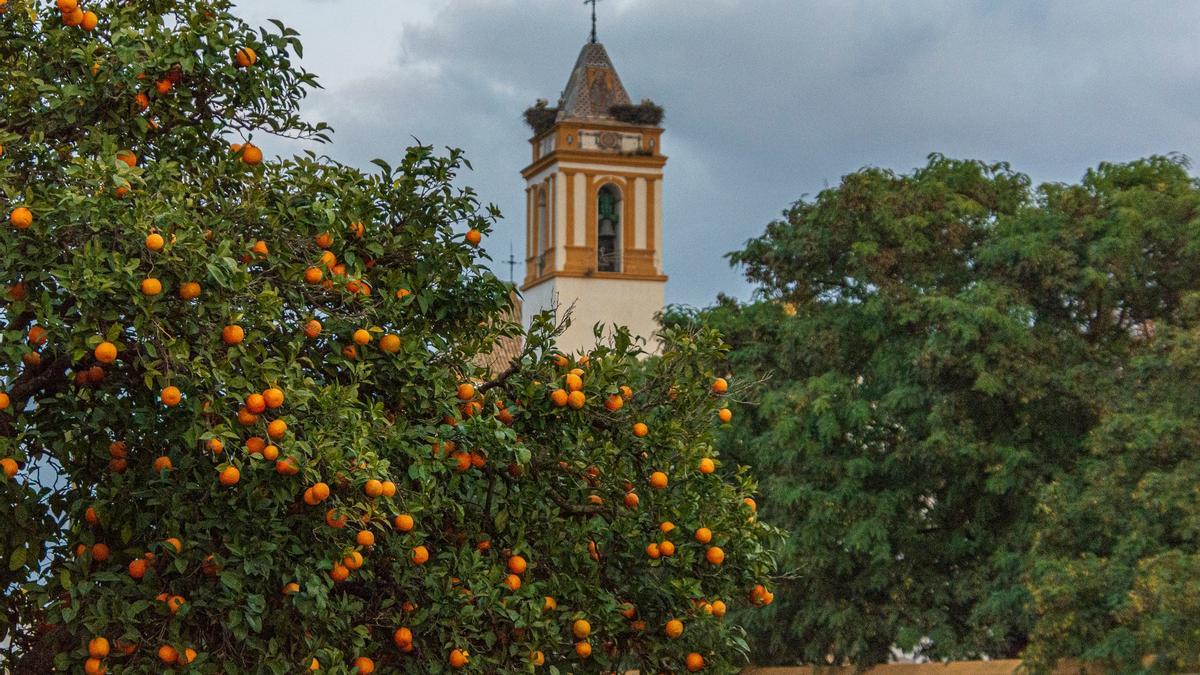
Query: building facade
x,y
594,211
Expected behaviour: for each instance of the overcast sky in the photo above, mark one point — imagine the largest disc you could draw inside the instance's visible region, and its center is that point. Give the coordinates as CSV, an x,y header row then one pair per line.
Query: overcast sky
x,y
766,100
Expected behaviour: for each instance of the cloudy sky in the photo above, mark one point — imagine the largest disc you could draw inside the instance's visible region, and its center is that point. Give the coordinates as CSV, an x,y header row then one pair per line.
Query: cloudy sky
x,y
766,100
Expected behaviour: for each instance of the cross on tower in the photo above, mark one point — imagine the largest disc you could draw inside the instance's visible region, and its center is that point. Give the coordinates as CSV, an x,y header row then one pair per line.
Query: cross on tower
x,y
593,4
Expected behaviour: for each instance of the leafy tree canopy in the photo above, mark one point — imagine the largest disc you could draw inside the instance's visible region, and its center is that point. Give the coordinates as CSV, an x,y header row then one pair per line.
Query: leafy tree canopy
x,y
243,426
978,414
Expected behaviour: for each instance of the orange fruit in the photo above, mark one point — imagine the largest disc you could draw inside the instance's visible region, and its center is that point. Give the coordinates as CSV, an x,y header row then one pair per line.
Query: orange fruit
x,y
695,662
174,543
751,503
640,430
137,568
256,404
168,654
273,397
714,555
151,287
703,535
93,665
474,237
517,564
98,647
458,659
465,392
260,248
550,604
312,329
353,560
361,337
141,101
390,343
720,386
232,335
583,649
100,552
106,352
5,401
91,516
245,57
576,400
339,572
718,608
674,628
420,555
255,445
573,382
324,240
403,522
155,241
652,550
276,429
373,488
725,414
356,229
537,658
632,500
252,155
187,656
513,582
313,275
614,402
230,476
667,549
287,467
333,521
389,488
581,628
321,491
365,538
559,397
658,480
403,637
707,465
162,463
21,218
171,396
175,603
89,21
189,290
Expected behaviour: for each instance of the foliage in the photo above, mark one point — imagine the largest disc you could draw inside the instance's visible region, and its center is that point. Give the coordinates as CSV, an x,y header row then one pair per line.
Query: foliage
x,y
221,531
540,117
646,113
977,416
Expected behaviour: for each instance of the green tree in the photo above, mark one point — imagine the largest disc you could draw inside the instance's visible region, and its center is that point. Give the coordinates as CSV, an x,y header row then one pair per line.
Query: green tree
x,y
938,352
244,425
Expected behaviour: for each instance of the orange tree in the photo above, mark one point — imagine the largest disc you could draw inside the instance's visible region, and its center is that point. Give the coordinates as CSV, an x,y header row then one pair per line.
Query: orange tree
x,y
244,423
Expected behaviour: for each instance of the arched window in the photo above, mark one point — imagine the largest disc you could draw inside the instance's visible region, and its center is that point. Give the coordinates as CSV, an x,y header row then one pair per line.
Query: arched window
x,y
608,229
541,226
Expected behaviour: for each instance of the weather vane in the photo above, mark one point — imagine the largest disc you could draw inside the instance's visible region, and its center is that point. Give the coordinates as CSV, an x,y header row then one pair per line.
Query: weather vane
x,y
593,4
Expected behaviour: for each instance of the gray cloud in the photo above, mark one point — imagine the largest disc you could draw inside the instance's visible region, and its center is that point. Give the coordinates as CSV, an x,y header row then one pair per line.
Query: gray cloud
x,y
766,99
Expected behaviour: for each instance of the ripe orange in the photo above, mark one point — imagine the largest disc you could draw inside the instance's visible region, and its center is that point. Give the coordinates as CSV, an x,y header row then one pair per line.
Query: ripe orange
x,y
91,516
89,21
162,463
321,491
98,647
171,396
260,248
652,550
632,500
339,572
714,555
695,662
583,649
106,352
390,343
559,397
286,466
466,392
255,445
100,552
141,101
21,218
189,290
276,429
175,603
420,555
718,608
174,543
474,237
707,466
373,488
640,430
230,476
332,519
674,628
93,665
313,275
725,414
356,229
312,329
666,526
5,401
365,538
751,503
581,628
168,654
517,564
537,658
576,400
658,480
614,402
251,154
151,287
245,57
720,386
273,397
458,659
256,404
353,560
155,241
573,382
361,337
703,535
137,568
513,582
667,549
232,335
403,522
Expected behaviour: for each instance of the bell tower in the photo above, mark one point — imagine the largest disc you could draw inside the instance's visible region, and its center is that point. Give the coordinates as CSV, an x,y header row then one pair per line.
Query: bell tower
x,y
593,227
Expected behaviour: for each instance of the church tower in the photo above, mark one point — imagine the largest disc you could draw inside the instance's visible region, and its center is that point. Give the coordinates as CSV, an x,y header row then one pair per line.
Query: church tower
x,y
593,227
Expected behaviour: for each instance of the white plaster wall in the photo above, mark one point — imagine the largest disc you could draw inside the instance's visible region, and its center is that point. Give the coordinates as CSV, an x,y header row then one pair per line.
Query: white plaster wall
x,y
626,302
